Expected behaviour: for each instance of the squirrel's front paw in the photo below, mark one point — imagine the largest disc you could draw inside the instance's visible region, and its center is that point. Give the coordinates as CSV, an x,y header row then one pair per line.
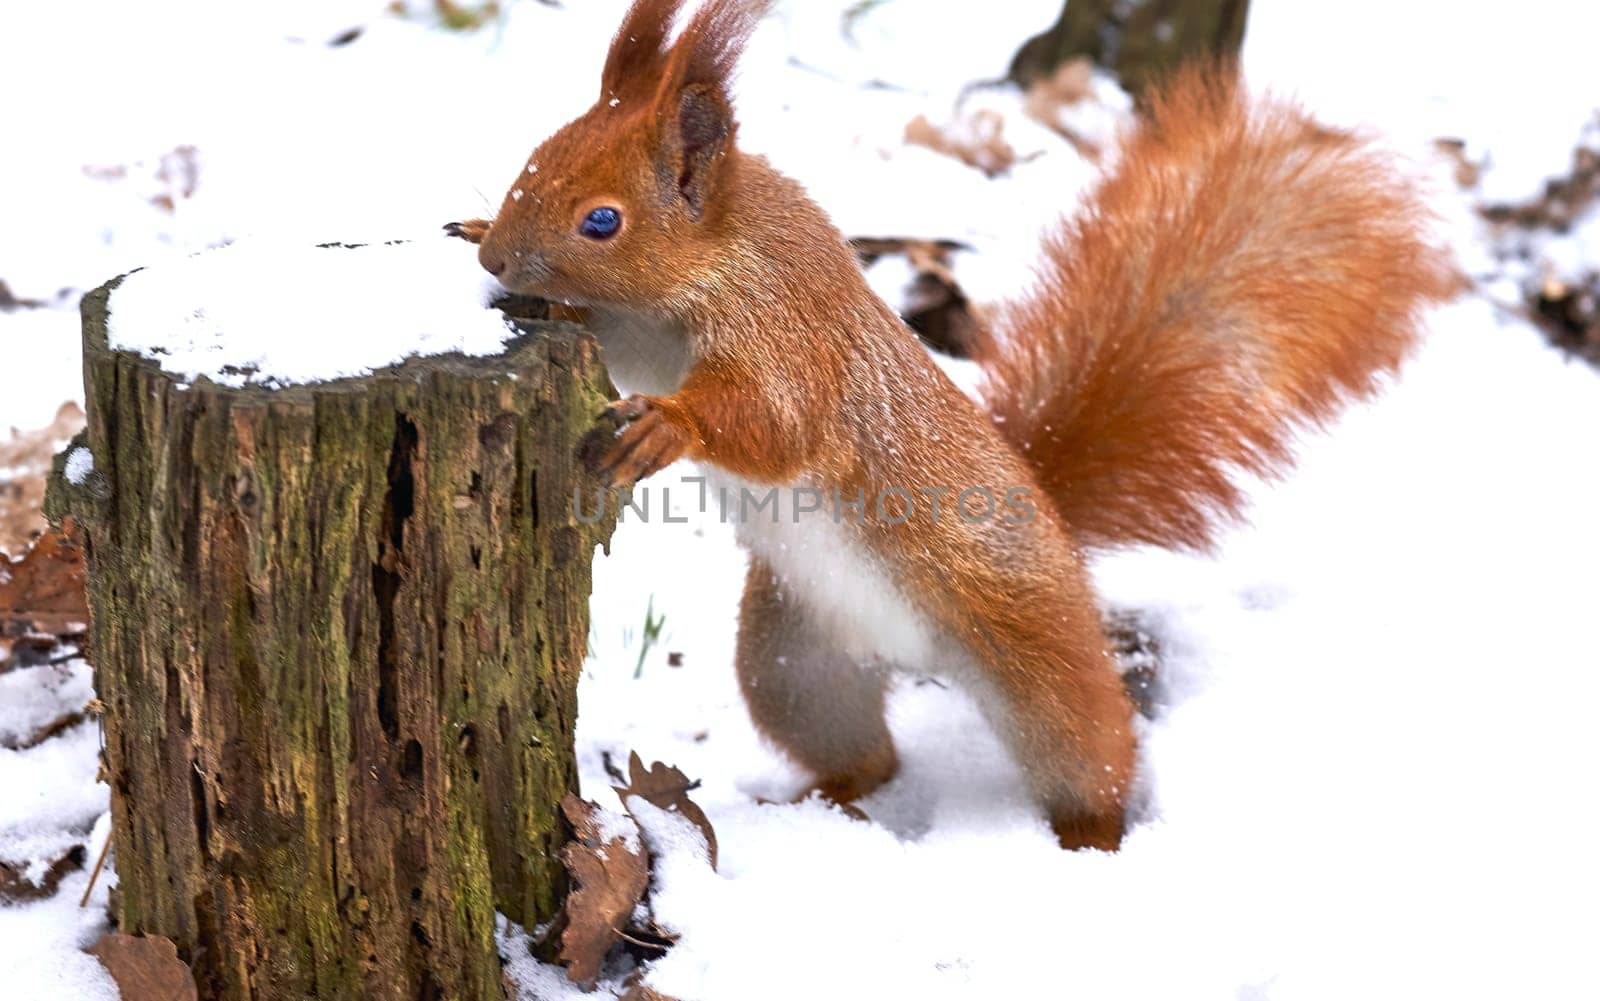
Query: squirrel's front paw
x,y
470,230
648,441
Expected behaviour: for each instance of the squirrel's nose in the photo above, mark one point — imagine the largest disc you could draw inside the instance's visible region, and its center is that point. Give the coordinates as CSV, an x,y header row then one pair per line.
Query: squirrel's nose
x,y
492,263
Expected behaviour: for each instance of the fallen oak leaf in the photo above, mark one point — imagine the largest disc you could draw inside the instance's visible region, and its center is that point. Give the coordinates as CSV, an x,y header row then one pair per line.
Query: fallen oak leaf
x,y
608,864
145,967
667,788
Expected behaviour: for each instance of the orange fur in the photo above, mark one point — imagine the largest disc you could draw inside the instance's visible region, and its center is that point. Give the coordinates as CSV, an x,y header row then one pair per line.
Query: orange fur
x,y
636,62
1243,272
1230,280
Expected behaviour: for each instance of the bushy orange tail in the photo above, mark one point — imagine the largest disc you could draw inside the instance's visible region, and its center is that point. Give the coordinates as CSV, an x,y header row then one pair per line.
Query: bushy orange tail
x,y
1243,271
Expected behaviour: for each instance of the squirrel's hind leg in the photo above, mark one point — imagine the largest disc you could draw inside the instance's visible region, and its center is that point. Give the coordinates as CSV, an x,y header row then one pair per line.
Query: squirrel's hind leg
x,y
1061,707
808,698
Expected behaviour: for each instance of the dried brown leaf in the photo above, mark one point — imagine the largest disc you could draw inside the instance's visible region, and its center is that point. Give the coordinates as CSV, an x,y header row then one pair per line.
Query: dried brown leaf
x,y
641,992
1569,312
974,140
667,788
870,248
24,468
43,593
1562,202
1565,301
29,649
16,886
178,173
145,967
175,177
935,305
60,724
1072,82
635,989
611,879
9,300
108,172
1467,171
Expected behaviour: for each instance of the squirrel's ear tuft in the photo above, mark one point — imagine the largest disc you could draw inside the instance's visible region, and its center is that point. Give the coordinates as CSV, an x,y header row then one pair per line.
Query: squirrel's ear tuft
x,y
693,102
709,48
638,57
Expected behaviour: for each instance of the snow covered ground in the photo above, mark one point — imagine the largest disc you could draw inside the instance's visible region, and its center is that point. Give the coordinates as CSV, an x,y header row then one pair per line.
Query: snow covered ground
x,y
1372,775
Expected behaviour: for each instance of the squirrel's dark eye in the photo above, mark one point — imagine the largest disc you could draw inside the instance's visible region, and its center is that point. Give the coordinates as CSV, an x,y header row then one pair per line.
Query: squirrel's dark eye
x,y
601,223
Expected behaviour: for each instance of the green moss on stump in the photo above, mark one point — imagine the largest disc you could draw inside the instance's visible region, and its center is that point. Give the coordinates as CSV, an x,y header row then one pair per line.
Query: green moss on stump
x,y
337,629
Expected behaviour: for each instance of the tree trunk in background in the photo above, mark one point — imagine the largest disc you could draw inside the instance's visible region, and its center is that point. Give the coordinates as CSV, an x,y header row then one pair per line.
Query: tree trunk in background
x,y
1138,40
337,629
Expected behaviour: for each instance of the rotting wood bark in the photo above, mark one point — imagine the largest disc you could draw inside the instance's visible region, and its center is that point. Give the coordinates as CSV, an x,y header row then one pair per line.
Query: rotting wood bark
x,y
337,630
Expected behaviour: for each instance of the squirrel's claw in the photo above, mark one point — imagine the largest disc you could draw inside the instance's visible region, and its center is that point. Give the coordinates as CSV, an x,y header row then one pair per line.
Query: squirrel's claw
x,y
648,442
627,409
470,230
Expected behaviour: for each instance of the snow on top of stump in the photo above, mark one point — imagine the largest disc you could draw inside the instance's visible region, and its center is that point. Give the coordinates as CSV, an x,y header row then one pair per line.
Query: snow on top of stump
x,y
257,313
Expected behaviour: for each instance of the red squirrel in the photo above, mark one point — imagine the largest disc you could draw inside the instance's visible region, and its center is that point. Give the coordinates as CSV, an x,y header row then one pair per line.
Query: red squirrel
x,y
1240,273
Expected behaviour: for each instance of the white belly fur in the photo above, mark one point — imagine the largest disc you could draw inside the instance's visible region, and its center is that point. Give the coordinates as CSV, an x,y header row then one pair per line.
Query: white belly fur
x,y
823,563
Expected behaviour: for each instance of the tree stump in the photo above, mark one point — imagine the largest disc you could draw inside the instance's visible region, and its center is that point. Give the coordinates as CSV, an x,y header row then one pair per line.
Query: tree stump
x,y
1138,40
337,629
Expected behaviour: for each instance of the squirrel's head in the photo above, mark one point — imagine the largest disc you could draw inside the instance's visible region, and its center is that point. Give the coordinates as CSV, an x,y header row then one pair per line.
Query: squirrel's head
x,y
626,202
